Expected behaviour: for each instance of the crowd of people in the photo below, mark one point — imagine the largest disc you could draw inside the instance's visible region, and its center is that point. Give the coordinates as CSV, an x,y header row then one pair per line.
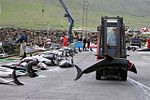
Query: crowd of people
x,y
34,36
39,37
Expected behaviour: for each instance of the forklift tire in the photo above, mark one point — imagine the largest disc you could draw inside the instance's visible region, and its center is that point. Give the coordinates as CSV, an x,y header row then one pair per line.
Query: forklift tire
x,y
98,74
123,75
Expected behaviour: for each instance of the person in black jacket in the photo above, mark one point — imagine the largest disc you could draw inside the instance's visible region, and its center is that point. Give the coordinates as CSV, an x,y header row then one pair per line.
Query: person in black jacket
x,y
79,39
84,43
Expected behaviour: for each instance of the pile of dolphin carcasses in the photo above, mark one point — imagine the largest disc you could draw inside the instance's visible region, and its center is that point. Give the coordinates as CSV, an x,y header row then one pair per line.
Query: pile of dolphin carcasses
x,y
62,57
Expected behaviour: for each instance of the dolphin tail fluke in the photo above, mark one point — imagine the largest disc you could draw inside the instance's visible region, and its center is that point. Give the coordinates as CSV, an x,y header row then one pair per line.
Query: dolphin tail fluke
x,y
133,69
15,80
79,72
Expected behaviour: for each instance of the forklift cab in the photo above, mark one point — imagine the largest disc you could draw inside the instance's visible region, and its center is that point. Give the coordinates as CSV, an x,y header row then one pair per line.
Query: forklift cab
x,y
111,42
111,38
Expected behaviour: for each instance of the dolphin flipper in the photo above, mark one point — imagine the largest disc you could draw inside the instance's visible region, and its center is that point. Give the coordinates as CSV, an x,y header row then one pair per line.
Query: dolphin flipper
x,y
72,62
79,72
15,80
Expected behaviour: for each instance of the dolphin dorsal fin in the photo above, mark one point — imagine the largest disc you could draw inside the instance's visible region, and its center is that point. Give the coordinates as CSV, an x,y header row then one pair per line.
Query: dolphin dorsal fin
x,y
109,57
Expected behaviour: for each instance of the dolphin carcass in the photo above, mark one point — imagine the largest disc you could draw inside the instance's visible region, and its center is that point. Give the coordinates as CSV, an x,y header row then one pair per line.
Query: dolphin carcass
x,y
12,75
121,63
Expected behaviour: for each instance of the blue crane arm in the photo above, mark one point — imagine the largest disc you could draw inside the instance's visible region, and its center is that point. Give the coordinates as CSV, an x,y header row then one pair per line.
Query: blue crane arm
x,y
70,20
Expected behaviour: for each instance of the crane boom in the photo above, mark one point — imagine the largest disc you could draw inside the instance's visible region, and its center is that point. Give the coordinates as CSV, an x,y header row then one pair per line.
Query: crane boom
x,y
70,20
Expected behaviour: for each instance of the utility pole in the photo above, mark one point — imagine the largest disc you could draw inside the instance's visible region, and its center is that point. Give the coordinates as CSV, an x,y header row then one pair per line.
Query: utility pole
x,y
83,3
0,9
84,15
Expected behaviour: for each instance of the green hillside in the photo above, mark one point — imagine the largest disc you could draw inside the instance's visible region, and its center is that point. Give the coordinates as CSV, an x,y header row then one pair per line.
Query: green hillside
x,y
28,13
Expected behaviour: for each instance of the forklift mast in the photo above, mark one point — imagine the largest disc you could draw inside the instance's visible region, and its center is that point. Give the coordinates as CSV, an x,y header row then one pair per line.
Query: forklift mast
x,y
107,25
70,20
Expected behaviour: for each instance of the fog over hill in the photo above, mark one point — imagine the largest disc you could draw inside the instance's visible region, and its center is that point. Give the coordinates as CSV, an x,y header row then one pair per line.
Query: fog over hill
x,y
27,13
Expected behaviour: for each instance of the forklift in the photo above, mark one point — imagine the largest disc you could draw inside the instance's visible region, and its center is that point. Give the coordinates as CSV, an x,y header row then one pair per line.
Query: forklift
x,y
111,52
111,42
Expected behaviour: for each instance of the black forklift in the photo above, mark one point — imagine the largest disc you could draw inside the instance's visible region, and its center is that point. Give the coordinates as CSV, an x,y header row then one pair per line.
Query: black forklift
x,y
111,42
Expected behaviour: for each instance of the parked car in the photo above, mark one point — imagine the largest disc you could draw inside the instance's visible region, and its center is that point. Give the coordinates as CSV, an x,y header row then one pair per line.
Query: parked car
x,y
136,42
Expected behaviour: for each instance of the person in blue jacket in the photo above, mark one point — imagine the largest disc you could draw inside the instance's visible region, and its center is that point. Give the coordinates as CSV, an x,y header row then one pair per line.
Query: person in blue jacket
x,y
22,39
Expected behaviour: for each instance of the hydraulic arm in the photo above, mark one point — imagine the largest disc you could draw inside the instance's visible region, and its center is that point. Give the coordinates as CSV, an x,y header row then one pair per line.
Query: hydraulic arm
x,y
70,20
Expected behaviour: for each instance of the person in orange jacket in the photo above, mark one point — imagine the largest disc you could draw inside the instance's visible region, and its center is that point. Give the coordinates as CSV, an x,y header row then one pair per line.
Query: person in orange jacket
x,y
65,40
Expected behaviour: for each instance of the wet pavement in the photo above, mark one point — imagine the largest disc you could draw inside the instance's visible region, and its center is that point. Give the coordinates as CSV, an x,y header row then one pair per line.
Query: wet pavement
x,y
58,83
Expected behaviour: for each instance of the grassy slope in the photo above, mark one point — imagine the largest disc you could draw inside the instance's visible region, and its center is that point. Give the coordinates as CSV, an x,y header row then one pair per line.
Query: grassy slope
x,y
27,13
